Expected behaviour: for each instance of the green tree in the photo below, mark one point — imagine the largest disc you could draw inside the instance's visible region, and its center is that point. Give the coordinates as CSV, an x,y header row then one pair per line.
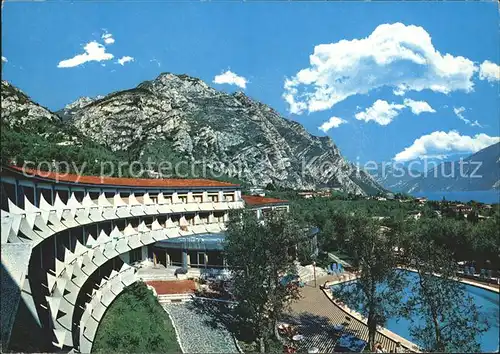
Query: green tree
x,y
259,253
447,319
376,294
136,323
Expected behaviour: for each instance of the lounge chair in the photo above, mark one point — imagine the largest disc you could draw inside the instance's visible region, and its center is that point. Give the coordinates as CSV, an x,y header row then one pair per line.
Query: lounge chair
x,y
340,268
330,269
473,271
334,268
482,274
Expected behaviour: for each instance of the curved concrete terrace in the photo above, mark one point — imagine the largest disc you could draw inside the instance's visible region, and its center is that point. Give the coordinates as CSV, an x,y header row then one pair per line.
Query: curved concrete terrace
x,y
70,275
33,225
37,224
102,298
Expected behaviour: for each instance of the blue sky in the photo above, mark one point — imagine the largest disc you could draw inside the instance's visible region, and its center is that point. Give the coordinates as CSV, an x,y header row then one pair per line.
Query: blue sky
x,y
370,66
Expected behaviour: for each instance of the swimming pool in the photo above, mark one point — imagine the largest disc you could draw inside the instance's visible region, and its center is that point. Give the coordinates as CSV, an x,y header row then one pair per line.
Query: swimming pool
x,y
486,301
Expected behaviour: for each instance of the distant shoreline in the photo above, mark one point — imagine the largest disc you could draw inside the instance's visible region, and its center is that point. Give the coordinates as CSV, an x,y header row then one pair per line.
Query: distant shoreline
x,y
489,196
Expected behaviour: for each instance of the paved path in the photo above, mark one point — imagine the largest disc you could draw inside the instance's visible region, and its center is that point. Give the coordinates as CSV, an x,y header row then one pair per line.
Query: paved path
x,y
316,315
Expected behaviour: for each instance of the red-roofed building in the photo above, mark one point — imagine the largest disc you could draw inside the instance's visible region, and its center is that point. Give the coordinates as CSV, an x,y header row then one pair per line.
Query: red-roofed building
x,y
262,205
87,232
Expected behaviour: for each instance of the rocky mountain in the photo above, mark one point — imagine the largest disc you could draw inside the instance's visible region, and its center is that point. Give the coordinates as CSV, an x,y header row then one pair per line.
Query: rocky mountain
x,y
229,133
393,177
480,171
69,109
18,110
176,118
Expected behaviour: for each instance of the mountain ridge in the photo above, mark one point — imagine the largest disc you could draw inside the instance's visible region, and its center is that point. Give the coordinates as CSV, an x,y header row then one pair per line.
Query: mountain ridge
x,y
480,171
229,133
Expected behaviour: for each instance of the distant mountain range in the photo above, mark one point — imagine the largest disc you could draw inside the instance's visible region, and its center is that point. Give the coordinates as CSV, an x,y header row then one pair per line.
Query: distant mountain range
x,y
181,116
393,177
479,172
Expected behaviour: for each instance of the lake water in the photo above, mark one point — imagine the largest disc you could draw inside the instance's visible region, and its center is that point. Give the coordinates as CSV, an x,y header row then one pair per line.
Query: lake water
x,y
489,197
488,306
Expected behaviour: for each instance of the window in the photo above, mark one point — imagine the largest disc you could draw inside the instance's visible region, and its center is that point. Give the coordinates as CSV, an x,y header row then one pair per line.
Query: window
x,y
219,216
190,219
204,218
135,255
183,199
176,219
198,198
229,197
214,198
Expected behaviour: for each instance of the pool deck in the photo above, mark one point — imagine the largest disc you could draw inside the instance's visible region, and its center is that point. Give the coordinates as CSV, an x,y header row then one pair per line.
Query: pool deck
x,y
317,311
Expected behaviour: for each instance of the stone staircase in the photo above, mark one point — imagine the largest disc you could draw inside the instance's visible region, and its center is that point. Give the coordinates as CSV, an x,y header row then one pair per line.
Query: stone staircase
x,y
169,298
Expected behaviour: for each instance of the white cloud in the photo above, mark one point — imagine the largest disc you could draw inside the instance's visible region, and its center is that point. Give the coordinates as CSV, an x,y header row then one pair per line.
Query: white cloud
x,y
124,60
418,107
154,60
459,113
4,59
231,78
445,143
333,122
93,52
394,55
108,38
489,71
382,112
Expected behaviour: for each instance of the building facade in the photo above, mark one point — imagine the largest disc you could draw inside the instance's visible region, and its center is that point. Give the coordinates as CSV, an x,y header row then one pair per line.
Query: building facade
x,y
70,245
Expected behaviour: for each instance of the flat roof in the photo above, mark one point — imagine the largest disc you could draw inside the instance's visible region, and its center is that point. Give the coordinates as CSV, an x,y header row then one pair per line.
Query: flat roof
x,y
118,181
255,200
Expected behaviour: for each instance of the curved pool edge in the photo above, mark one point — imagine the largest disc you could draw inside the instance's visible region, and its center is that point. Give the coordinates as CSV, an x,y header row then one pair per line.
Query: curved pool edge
x,y
382,330
461,280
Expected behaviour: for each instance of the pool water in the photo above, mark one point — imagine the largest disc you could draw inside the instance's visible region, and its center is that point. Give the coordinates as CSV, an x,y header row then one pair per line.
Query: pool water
x,y
486,301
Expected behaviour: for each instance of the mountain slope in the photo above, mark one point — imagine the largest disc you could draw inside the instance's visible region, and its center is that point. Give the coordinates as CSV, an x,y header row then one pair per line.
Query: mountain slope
x,y
30,132
18,110
180,120
480,171
393,177
230,134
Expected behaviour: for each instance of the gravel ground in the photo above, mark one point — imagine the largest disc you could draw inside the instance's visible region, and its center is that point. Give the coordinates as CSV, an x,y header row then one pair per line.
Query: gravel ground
x,y
195,332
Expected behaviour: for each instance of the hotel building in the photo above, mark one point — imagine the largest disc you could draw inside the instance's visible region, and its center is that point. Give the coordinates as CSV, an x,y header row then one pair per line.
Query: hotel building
x,y
71,244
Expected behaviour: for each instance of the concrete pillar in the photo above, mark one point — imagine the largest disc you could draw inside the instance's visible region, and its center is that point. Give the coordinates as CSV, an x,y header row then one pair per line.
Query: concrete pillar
x,y
167,258
221,196
185,259
175,198
125,257
35,196
144,251
206,259
190,198
204,197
